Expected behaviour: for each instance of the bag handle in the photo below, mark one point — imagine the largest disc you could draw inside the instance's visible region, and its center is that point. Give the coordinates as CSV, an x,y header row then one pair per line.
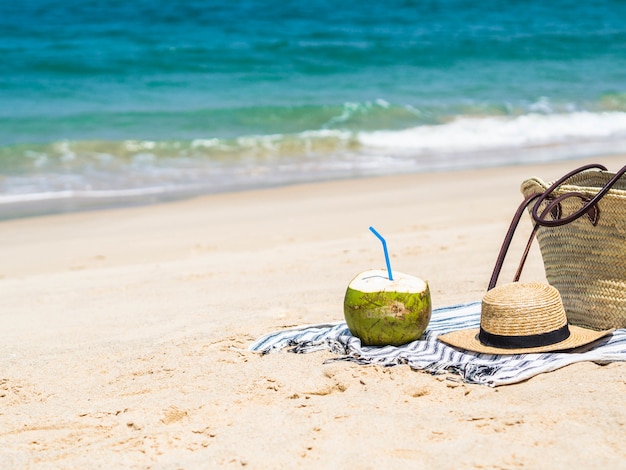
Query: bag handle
x,y
589,204
552,207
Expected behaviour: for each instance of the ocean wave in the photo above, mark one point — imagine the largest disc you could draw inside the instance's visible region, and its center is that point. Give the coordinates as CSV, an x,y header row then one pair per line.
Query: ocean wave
x,y
149,159
91,173
468,134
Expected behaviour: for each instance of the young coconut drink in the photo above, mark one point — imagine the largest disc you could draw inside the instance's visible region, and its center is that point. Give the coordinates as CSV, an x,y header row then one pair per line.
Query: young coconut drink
x,y
383,311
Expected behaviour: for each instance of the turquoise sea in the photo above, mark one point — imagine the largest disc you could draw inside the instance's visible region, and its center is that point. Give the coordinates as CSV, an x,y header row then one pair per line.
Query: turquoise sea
x,y
137,101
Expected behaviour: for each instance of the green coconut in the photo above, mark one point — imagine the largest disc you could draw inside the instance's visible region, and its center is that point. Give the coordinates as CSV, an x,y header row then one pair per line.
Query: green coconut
x,y
383,312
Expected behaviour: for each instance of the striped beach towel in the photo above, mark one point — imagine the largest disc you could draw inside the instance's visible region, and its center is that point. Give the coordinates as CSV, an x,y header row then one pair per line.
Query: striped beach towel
x,y
430,355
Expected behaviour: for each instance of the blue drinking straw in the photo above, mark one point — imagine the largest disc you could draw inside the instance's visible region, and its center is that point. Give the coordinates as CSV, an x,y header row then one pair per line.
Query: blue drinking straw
x,y
385,250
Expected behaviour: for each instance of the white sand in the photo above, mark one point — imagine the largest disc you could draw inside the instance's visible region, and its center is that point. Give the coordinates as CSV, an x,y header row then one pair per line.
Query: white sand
x,y
123,335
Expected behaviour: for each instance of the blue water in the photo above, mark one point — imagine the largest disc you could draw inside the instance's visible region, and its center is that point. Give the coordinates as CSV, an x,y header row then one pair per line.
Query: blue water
x,y
122,102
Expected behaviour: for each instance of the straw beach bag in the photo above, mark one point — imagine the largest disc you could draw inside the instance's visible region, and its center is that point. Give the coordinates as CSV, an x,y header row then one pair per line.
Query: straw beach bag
x,y
580,224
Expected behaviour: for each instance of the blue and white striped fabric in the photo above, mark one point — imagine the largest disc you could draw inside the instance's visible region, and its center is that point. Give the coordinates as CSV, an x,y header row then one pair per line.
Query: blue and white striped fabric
x,y
430,355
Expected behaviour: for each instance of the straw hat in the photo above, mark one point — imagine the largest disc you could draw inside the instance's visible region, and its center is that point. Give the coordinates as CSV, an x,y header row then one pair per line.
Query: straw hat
x,y
522,318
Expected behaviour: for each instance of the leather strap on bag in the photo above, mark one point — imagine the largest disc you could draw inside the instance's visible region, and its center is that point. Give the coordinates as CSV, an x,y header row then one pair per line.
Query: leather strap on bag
x,y
553,208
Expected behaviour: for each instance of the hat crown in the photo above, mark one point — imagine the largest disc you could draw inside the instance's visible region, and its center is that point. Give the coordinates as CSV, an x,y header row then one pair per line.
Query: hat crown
x,y
522,309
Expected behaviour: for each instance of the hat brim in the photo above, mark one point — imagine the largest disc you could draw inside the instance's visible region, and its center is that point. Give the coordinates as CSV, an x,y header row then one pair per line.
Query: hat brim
x,y
468,340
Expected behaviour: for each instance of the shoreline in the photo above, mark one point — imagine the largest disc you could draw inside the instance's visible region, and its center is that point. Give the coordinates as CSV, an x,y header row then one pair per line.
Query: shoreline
x,y
124,334
72,201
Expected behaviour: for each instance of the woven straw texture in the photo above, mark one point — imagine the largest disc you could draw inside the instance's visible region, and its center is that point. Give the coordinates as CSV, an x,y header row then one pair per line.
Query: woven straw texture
x,y
587,263
522,309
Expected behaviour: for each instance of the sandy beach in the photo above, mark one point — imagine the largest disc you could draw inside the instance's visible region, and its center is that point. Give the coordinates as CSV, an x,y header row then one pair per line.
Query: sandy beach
x,y
124,335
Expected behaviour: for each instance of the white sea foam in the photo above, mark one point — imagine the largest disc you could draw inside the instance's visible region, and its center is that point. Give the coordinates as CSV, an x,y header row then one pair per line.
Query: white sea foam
x,y
205,143
86,194
139,145
326,134
468,134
